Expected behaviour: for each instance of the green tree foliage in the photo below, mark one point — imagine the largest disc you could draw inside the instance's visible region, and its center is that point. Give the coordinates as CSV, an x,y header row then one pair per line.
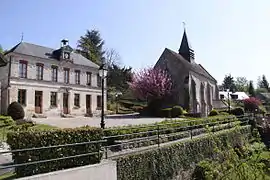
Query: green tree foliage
x,y
228,83
263,83
118,78
241,84
1,49
91,46
251,90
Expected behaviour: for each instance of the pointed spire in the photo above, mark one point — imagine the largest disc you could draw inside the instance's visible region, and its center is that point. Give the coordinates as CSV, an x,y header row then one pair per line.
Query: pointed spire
x,y
185,48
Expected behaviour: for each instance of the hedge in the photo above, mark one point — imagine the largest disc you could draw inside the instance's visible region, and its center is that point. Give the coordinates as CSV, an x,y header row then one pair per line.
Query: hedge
x,y
31,139
167,162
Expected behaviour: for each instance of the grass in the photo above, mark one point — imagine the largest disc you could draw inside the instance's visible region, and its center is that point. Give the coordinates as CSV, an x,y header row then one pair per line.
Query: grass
x,y
7,176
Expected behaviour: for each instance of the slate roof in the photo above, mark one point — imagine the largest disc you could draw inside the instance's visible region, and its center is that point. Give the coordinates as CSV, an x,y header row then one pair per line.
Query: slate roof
x,y
266,95
194,67
47,53
3,61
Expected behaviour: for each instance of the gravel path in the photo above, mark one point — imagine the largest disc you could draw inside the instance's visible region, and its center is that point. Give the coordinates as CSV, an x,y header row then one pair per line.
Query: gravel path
x,y
95,121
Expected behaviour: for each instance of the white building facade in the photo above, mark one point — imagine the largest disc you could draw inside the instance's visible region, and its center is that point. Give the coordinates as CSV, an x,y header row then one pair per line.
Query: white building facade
x,y
50,82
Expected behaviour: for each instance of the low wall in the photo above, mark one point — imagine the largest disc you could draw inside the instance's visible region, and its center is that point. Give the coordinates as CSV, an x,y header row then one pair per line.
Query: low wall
x,y
106,170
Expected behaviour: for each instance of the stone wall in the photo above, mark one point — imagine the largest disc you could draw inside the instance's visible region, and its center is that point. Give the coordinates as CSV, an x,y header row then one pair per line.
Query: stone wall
x,y
106,170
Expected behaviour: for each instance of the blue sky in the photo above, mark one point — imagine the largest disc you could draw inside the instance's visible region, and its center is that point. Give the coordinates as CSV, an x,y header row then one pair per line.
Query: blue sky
x,y
227,36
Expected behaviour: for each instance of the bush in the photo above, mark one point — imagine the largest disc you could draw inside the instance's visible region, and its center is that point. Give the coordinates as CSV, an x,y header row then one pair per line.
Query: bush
x,y
31,139
167,161
177,111
167,112
15,110
213,112
224,113
238,111
6,121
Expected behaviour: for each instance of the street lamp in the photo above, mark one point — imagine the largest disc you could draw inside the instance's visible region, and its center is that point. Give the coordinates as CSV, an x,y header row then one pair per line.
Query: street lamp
x,y
117,94
229,102
102,71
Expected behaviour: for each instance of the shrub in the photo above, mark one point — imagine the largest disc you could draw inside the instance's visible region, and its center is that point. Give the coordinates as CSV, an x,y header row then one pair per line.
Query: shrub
x,y
15,110
6,121
213,112
167,112
167,161
238,111
31,139
177,111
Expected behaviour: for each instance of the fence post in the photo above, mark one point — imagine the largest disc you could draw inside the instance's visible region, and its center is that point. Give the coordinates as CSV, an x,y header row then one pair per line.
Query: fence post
x,y
190,130
158,135
106,152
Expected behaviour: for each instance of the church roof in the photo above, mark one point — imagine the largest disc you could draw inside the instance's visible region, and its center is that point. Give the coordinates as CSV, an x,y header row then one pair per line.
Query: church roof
x,y
194,67
47,53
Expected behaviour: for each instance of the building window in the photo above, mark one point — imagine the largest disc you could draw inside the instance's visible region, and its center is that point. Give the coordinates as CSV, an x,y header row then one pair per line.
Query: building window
x,y
77,77
39,71
22,97
99,102
98,81
66,75
54,73
88,78
23,69
77,100
54,99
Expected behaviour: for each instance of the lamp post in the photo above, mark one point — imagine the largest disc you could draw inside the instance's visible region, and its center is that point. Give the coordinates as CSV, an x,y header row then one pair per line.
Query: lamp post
x,y
117,94
102,71
229,102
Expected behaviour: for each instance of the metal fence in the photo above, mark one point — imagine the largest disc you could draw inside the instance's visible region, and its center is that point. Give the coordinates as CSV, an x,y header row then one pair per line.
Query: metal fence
x,y
141,138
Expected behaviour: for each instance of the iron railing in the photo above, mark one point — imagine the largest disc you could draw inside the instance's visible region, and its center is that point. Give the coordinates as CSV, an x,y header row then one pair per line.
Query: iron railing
x,y
157,136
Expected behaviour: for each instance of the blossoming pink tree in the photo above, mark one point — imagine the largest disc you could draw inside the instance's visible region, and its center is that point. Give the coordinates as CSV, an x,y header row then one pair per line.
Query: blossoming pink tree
x,y
151,84
251,104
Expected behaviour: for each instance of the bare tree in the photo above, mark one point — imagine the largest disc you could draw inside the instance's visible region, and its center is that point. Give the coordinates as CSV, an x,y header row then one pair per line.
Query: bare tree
x,y
112,57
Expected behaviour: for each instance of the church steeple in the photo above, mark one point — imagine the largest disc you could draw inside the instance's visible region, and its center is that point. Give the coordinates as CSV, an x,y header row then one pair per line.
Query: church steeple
x,y
185,48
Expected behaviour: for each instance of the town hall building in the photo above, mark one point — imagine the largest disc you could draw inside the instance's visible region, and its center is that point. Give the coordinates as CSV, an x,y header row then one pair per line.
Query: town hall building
x,y
194,88
50,82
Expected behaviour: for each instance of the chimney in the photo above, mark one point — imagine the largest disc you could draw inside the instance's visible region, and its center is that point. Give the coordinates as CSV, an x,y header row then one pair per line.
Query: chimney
x,y
64,42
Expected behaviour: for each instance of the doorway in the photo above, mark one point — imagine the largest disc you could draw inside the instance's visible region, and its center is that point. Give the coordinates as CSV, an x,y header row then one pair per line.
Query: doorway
x,y
38,102
88,104
65,103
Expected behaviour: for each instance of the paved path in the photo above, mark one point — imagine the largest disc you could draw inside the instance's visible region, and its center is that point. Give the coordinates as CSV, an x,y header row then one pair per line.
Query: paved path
x,y
95,121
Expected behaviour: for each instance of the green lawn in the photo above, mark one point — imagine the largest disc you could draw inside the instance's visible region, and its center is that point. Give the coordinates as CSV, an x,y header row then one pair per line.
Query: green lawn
x,y
7,176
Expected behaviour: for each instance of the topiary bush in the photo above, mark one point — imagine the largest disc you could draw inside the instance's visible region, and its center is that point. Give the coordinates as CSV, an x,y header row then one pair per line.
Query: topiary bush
x,y
15,110
34,139
166,112
177,111
238,111
213,112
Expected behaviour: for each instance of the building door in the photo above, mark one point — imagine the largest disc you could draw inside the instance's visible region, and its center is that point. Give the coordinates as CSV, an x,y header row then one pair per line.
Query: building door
x,y
38,102
88,104
65,103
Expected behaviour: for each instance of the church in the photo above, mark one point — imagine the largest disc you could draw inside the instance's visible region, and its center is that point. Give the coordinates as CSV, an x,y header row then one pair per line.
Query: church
x,y
194,88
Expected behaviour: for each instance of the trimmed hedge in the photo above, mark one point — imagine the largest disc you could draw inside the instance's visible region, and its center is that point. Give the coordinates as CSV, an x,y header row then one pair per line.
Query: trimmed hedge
x,y
213,112
166,112
177,111
31,139
16,111
238,111
168,162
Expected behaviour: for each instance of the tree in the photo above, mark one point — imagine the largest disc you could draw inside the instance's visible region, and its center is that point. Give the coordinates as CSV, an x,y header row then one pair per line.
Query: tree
x,y
251,104
150,84
241,84
251,90
228,83
264,83
91,46
112,57
1,49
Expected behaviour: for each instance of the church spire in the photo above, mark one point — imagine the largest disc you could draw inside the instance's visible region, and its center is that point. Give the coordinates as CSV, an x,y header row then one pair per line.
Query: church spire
x,y
185,48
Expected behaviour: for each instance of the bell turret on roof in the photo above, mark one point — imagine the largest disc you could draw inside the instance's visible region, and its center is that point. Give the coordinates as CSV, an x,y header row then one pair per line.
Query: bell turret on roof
x,y
185,49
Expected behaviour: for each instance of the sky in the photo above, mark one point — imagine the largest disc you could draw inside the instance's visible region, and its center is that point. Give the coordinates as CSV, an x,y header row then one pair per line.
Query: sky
x,y
228,36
